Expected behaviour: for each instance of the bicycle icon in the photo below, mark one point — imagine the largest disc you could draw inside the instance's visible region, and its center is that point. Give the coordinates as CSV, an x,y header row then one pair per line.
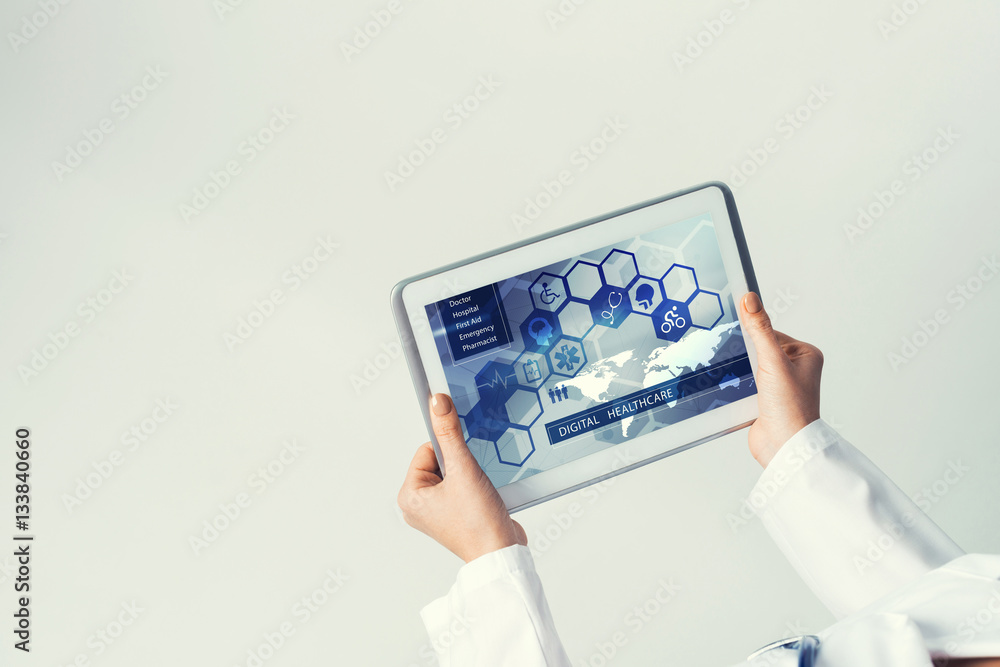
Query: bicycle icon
x,y
672,319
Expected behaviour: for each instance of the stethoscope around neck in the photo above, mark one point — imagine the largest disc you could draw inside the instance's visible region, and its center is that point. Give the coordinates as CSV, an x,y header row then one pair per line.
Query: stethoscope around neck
x,y
806,645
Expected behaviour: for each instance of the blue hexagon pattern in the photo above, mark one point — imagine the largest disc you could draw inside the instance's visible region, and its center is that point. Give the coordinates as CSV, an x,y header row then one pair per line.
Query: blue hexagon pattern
x,y
565,311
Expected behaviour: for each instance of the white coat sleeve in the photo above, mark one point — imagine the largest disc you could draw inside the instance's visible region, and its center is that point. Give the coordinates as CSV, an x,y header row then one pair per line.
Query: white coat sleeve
x,y
852,535
495,614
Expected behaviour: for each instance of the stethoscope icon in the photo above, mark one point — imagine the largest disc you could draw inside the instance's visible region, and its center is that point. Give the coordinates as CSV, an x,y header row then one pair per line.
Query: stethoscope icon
x,y
610,314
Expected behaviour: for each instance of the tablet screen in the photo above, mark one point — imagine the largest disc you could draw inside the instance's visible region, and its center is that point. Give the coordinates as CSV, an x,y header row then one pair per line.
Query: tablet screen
x,y
569,359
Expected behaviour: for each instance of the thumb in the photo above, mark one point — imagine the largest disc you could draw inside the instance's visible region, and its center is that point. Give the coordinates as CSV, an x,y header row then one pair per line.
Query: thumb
x,y
448,431
758,325
522,537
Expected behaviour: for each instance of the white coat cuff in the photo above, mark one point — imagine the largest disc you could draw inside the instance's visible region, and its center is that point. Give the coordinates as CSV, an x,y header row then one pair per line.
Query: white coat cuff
x,y
809,441
486,569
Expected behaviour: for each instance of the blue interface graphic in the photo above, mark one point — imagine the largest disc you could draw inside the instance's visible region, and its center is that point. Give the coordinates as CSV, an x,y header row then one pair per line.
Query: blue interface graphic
x,y
584,354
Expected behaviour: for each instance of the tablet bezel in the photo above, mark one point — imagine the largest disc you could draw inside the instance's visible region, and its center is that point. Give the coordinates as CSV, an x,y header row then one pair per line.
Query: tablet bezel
x,y
410,297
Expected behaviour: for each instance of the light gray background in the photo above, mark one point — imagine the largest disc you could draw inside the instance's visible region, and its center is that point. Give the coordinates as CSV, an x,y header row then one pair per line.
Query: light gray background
x,y
333,507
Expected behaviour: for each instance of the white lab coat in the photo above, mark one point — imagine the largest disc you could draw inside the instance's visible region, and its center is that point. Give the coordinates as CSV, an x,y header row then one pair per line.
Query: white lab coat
x,y
902,589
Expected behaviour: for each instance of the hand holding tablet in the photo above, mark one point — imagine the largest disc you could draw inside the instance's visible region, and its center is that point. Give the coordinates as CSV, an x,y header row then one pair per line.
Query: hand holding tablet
x,y
788,374
463,512
582,354
467,515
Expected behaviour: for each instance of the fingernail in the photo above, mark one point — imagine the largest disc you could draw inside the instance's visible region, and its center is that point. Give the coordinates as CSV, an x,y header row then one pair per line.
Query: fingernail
x,y
752,302
441,404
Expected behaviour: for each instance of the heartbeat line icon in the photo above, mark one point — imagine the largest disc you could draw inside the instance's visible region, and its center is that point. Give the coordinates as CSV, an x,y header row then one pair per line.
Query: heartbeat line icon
x,y
497,379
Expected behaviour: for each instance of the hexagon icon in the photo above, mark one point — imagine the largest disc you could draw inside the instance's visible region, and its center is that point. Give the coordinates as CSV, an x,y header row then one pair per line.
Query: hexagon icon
x,y
549,292
532,369
486,422
480,448
705,308
584,279
539,330
679,282
619,268
514,447
567,357
646,294
523,407
575,319
702,248
610,307
653,260
591,348
671,320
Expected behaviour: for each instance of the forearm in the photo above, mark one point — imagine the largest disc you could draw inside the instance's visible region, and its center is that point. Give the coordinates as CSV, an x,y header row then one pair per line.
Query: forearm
x,y
495,614
848,530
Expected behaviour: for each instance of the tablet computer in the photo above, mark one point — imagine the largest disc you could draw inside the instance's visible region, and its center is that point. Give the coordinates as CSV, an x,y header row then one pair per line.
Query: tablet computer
x,y
583,353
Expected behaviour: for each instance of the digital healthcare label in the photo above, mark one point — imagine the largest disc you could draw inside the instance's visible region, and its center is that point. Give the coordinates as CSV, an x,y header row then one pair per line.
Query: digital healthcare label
x,y
550,366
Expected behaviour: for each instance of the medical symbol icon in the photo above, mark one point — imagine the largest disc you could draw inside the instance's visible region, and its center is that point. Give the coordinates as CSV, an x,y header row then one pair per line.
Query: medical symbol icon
x,y
575,325
644,295
610,314
568,357
559,393
540,329
548,296
672,319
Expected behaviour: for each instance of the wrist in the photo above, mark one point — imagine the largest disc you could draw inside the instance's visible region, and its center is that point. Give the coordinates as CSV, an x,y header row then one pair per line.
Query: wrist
x,y
765,443
487,545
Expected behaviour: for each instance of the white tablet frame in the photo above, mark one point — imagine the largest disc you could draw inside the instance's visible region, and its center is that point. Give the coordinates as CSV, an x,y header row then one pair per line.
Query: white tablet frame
x,y
410,297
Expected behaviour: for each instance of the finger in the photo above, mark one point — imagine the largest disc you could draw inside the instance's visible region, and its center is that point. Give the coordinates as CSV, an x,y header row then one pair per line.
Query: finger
x,y
795,348
423,470
448,431
758,325
425,459
785,339
808,354
792,347
522,537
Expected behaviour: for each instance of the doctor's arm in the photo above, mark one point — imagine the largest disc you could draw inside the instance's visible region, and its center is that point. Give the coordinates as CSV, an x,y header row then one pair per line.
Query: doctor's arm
x,y
847,529
496,612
